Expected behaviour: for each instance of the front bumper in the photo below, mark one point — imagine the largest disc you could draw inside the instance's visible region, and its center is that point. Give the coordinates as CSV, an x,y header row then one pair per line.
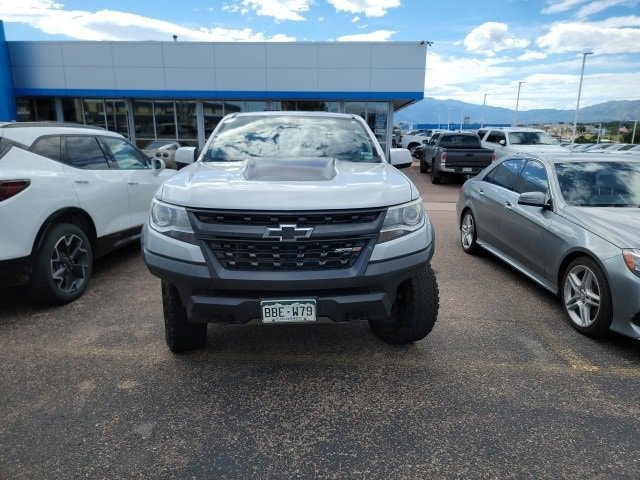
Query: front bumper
x,y
210,293
16,271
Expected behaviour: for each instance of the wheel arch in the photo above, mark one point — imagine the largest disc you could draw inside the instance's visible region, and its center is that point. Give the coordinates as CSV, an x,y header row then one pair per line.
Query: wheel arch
x,y
570,257
73,215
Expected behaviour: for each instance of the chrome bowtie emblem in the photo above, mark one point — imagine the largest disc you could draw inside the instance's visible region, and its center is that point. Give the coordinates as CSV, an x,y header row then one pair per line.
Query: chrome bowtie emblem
x,y
287,232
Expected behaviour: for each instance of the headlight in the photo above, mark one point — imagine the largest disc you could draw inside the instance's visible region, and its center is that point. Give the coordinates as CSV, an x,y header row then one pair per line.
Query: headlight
x,y
402,220
632,260
172,221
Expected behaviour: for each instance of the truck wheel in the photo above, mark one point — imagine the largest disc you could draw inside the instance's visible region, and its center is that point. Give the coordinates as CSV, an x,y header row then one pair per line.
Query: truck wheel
x,y
436,177
414,311
468,233
586,297
423,166
62,266
181,334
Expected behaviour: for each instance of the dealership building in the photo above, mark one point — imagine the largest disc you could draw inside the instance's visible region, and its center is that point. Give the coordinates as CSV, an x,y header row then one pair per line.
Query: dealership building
x,y
181,90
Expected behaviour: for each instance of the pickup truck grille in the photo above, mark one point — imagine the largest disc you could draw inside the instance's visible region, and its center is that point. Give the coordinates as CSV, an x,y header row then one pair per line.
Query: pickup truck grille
x,y
299,218
272,255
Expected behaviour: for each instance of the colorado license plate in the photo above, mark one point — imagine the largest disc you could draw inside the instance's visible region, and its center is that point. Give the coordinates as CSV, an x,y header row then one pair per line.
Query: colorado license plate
x,y
467,170
288,311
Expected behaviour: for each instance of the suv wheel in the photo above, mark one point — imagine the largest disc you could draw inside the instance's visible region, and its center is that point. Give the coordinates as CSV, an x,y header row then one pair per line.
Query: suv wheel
x,y
62,266
181,334
423,166
414,311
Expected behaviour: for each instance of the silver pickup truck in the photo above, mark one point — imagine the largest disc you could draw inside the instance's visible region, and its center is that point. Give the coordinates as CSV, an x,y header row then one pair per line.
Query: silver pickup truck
x,y
292,217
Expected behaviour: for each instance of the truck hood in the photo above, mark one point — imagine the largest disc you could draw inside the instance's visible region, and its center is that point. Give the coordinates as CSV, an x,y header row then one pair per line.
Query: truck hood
x,y
539,148
283,184
619,226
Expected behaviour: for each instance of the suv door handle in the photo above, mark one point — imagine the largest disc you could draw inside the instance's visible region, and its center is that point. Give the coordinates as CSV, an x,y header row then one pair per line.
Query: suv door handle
x,y
481,192
133,183
508,205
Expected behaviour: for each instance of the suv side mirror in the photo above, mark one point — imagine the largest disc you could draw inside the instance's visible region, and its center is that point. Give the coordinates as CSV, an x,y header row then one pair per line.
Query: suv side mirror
x,y
400,157
185,155
502,142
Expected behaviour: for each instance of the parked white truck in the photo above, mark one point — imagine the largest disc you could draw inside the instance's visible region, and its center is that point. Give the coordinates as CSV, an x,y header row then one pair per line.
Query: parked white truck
x,y
292,217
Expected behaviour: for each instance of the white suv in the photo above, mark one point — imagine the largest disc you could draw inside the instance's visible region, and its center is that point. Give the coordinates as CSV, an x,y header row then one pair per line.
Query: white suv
x,y
509,140
68,194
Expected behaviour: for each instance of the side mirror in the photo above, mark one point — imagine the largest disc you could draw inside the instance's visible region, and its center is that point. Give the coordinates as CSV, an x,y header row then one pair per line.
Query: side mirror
x,y
185,155
400,157
158,164
502,142
534,199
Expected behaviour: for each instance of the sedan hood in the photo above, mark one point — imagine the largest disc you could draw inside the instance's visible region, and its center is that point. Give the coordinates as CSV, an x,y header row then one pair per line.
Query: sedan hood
x,y
283,184
540,148
618,225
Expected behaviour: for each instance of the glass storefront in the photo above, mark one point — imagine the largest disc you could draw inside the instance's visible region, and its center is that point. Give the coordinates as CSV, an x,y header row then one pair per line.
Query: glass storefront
x,y
178,119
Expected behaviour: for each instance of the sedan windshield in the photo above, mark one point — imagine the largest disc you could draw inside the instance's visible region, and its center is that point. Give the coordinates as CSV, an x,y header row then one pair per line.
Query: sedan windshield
x,y
600,184
530,138
286,136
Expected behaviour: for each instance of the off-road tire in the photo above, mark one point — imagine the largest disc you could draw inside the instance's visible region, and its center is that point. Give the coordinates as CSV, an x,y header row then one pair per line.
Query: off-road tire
x,y
587,289
62,266
423,166
181,334
436,177
414,311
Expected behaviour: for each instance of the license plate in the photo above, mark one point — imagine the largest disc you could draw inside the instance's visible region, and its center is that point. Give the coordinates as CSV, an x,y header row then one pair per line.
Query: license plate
x,y
467,170
288,311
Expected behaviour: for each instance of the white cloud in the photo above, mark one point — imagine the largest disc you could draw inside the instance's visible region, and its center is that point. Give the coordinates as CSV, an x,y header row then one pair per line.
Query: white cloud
x,y
619,22
531,55
599,6
355,19
555,6
51,18
280,10
369,8
577,37
377,36
492,37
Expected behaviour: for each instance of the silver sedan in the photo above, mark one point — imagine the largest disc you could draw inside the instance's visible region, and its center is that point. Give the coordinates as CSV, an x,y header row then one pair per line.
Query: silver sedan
x,y
570,222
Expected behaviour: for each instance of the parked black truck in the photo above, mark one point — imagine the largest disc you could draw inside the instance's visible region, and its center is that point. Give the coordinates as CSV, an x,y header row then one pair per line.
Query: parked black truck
x,y
454,153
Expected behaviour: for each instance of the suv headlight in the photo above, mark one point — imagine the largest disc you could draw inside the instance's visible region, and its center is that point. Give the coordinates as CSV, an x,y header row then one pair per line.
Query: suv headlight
x,y
402,220
172,221
632,260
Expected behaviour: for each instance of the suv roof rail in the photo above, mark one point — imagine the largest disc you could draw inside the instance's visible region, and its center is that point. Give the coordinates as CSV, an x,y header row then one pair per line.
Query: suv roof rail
x,y
48,124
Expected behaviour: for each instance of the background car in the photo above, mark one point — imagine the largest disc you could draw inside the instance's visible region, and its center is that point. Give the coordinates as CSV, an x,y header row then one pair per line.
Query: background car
x,y
569,222
510,140
70,194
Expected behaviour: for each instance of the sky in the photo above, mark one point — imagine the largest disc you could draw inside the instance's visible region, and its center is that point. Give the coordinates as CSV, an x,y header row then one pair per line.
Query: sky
x,y
479,48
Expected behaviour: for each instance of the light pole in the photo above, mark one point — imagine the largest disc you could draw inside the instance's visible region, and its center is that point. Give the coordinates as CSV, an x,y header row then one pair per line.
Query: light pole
x,y
575,119
449,119
484,102
515,115
633,135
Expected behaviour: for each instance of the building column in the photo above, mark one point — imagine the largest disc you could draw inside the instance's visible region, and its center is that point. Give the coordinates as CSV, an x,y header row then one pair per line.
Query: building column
x,y
59,110
7,99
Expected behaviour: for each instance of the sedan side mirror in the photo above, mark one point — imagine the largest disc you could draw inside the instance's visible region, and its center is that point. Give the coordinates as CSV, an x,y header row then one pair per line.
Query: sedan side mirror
x,y
185,155
534,199
400,157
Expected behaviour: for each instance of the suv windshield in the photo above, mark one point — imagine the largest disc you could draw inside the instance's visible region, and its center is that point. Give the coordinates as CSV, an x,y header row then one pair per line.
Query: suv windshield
x,y
288,136
600,184
530,138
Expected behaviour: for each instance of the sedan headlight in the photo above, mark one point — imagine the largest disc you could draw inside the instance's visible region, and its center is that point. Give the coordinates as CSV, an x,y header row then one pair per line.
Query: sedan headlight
x,y
632,260
401,220
172,221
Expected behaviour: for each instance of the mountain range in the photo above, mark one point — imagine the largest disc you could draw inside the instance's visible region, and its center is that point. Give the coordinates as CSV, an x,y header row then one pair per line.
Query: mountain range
x,y
432,111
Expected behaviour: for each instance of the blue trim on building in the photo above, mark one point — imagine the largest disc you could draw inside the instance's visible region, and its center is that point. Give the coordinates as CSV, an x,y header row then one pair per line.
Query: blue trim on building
x,y
214,94
7,100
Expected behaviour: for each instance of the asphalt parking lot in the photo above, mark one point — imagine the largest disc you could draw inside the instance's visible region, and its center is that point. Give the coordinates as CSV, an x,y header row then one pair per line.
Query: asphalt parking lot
x,y
502,388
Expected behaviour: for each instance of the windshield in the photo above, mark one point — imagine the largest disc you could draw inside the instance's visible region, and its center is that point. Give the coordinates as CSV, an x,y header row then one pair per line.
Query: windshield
x,y
287,136
530,138
156,144
600,184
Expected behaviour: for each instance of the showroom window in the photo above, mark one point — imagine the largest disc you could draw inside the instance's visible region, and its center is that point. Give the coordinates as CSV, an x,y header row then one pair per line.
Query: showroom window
x,y
187,119
37,109
213,113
